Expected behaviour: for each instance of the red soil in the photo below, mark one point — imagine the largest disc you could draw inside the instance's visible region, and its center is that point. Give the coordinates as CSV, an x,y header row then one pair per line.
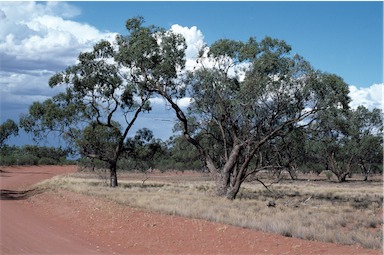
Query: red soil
x,y
68,223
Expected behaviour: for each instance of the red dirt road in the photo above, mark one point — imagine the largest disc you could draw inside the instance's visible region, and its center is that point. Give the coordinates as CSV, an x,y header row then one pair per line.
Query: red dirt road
x,y
24,231
68,223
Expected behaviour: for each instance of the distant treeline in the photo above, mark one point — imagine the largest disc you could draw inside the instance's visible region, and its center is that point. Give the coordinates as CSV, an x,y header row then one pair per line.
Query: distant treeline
x,y
33,155
155,154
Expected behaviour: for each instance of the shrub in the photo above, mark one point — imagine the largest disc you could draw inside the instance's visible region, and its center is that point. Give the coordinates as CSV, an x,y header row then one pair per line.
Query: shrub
x,y
47,161
27,160
328,174
8,160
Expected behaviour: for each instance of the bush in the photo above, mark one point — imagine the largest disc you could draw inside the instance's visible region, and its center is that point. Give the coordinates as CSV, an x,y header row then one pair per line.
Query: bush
x,y
33,155
47,161
328,174
27,160
18,160
8,160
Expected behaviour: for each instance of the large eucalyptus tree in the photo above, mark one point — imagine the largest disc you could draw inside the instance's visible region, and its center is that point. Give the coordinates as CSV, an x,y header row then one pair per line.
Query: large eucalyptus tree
x,y
244,95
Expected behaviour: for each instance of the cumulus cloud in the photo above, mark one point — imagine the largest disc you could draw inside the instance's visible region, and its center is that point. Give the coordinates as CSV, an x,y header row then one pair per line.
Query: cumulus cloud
x,y
37,40
195,43
31,35
370,97
194,39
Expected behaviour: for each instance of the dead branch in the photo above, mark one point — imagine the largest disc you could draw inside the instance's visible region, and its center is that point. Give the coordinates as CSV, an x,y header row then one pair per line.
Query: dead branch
x,y
267,186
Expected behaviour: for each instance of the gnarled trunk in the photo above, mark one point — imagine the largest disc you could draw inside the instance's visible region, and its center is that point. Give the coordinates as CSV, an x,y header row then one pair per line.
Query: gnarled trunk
x,y
233,190
224,179
343,177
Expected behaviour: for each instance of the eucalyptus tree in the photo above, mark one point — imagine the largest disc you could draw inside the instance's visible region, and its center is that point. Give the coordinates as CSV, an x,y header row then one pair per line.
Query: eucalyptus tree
x,y
98,96
344,140
143,150
279,93
244,94
286,153
7,129
366,139
103,98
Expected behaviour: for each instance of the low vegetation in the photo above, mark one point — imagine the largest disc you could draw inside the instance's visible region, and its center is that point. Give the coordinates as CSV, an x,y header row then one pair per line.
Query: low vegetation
x,y
349,213
33,155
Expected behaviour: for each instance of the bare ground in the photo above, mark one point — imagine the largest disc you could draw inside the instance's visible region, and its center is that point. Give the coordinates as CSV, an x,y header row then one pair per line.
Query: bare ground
x,y
67,223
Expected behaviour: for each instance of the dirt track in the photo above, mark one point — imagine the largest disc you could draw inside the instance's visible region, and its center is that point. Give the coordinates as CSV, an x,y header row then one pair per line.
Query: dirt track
x,y
68,223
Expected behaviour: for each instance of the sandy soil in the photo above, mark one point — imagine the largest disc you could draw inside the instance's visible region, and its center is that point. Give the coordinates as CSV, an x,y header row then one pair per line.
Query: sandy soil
x,y
68,223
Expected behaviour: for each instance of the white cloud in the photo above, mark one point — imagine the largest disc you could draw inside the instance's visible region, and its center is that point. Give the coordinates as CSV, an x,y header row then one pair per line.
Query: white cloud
x,y
370,97
193,37
30,34
37,40
195,42
182,102
157,101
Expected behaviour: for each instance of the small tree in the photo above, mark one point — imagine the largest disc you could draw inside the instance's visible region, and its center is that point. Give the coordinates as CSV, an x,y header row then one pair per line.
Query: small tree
x,y
365,139
98,95
101,93
343,139
143,150
7,129
286,153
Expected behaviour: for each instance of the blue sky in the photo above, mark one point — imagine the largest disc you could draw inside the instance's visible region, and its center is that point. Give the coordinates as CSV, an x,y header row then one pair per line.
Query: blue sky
x,y
39,39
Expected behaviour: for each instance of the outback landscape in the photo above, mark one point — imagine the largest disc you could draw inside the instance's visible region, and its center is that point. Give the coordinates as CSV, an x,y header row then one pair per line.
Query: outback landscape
x,y
59,210
264,153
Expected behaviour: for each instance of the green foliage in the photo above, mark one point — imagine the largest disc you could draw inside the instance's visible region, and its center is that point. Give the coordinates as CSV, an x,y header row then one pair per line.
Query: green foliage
x,y
347,140
143,151
244,125
7,129
99,140
33,155
102,98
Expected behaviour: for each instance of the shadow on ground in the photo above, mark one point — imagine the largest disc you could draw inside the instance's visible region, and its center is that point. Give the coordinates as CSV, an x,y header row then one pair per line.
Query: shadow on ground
x,y
17,194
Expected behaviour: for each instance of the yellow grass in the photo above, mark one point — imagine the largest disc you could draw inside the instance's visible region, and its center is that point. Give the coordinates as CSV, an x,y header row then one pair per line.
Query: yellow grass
x,y
331,212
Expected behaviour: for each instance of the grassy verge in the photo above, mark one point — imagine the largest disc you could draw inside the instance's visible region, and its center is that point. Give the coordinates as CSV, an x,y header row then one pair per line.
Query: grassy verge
x,y
346,214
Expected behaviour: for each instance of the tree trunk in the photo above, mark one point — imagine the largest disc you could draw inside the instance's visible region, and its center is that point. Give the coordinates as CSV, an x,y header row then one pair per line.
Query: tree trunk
x,y
232,191
292,173
113,176
342,177
223,184
365,171
223,181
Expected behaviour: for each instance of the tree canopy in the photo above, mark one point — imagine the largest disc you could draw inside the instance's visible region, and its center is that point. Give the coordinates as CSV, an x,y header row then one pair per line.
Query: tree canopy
x,y
252,104
106,91
7,129
245,96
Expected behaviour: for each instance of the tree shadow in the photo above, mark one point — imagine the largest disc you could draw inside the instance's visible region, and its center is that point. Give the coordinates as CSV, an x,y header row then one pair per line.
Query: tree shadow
x,y
17,194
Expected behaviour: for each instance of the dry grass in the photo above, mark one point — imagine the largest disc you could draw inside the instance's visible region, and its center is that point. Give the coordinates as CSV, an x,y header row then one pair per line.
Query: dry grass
x,y
342,213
